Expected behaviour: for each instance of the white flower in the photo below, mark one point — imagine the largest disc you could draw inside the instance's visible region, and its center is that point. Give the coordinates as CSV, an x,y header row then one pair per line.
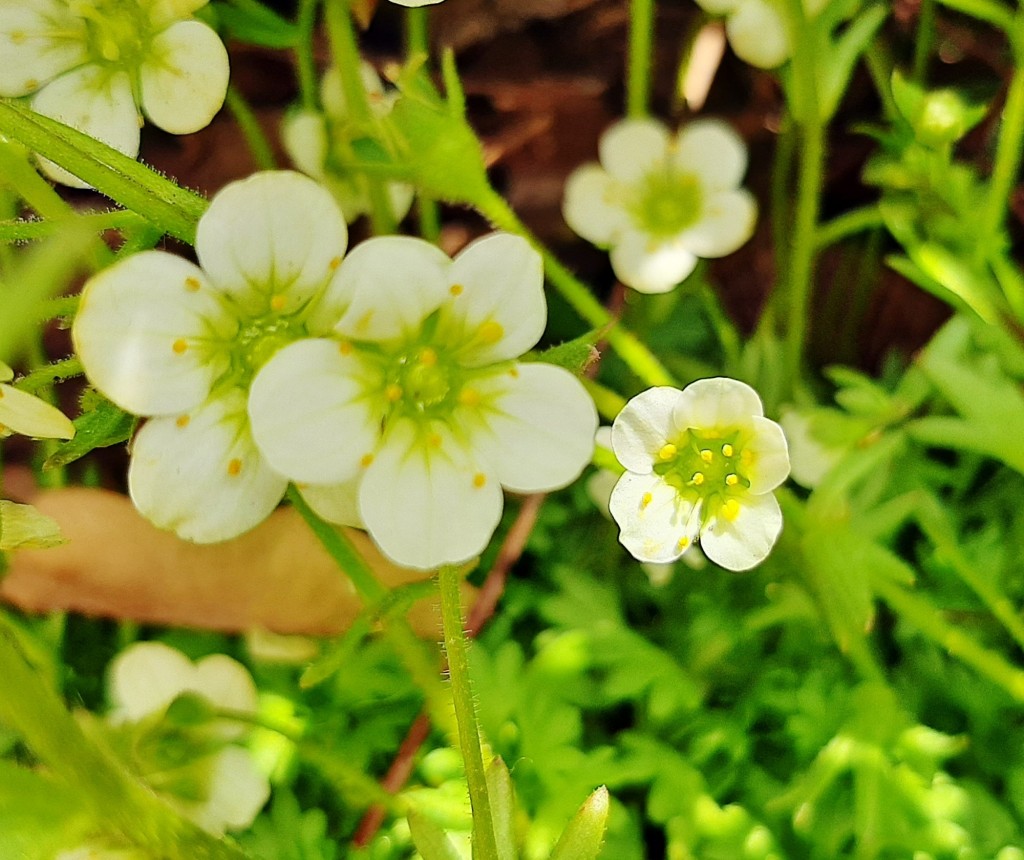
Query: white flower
x,y
757,29
701,462
415,3
21,412
660,202
811,458
147,677
162,337
319,143
420,414
95,64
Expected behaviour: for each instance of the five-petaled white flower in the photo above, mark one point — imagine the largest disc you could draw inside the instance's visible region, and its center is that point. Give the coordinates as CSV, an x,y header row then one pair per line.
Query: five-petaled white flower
x,y
701,462
420,414
94,64
164,338
146,678
660,202
21,412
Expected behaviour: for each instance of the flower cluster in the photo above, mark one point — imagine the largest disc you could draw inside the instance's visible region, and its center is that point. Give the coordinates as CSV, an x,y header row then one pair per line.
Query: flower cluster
x,y
95,64
660,202
701,463
385,385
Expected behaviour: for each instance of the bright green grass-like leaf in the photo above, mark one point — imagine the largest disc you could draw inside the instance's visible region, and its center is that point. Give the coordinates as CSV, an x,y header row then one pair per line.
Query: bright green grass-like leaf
x,y
101,425
252,22
23,527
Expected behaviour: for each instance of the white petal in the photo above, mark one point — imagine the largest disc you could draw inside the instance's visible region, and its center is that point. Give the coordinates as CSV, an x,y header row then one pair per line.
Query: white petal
x,y
201,474
540,428
236,793
414,4
143,332
309,411
644,426
769,465
727,220
741,543
718,7
810,458
145,678
336,503
718,403
226,683
631,148
394,283
656,525
425,502
591,207
758,35
163,13
712,151
276,233
26,414
332,92
95,102
650,266
184,77
39,39
496,305
304,135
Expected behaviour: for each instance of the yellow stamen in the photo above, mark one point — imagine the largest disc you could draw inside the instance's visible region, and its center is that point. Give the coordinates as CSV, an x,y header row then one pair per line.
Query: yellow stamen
x,y
698,478
514,372
434,440
192,285
182,421
727,450
731,480
667,452
469,397
393,392
645,500
234,467
456,289
706,455
278,302
335,262
345,348
31,84
179,346
490,332
428,357
682,543
365,460
731,509
479,479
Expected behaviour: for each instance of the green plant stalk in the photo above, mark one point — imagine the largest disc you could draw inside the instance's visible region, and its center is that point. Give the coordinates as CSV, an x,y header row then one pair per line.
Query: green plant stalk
x,y
417,43
848,224
304,61
256,140
925,40
20,230
456,647
638,72
631,350
1008,148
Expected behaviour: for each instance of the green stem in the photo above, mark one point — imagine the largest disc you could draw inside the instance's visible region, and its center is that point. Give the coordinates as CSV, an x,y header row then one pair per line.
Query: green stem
x,y
847,224
20,230
417,43
257,141
925,40
455,645
632,351
990,11
638,74
305,63
1008,149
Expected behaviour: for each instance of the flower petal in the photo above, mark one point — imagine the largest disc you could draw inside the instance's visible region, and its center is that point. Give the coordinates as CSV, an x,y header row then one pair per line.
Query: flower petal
x,y
184,77
769,465
95,102
711,150
277,233
726,222
304,135
425,502
643,427
394,283
309,414
631,148
142,332
201,474
336,503
145,678
413,4
709,404
656,524
649,266
496,305
718,7
758,35
39,39
741,543
28,415
590,207
225,683
236,793
810,458
540,427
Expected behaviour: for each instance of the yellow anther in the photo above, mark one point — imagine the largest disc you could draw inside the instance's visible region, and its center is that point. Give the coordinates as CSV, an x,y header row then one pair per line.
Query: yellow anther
x,y
278,302
682,543
731,480
706,455
645,500
490,332
667,452
434,440
345,348
697,479
428,356
1,394
365,460
234,467
456,289
731,509
514,372
192,285
182,421
335,262
469,397
393,392
180,345
727,450
479,479
17,37
31,84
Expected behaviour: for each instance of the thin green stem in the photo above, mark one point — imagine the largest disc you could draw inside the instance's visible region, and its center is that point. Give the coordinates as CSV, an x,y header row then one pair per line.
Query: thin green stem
x,y
456,647
879,62
256,140
20,230
417,43
848,224
304,60
1008,150
638,73
925,40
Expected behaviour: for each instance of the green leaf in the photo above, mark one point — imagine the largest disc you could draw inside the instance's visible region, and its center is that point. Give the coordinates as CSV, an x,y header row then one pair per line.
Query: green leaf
x,y
843,55
38,815
430,840
503,808
254,23
102,425
584,834
23,527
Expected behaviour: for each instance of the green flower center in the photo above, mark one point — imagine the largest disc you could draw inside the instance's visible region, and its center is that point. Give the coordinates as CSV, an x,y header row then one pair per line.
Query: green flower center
x,y
667,202
120,31
707,466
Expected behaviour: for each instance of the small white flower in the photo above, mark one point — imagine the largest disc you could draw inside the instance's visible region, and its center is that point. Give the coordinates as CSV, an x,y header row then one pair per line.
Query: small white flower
x,y
660,202
420,414
701,462
811,458
314,141
21,412
757,29
412,4
95,64
147,677
180,343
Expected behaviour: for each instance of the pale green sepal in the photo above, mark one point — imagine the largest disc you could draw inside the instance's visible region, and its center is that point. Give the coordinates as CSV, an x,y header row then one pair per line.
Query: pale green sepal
x,y
430,840
584,835
173,209
574,355
503,808
23,527
843,55
26,414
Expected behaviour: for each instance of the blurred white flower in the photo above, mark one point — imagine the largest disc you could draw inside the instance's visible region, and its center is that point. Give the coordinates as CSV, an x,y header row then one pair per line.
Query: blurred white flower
x,y
757,29
180,344
415,3
810,458
701,463
421,413
660,202
21,412
95,64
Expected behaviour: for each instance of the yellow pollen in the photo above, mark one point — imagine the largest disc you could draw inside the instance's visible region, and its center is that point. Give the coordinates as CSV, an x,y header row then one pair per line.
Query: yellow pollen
x,y
179,346
278,302
514,372
469,397
393,392
335,262
428,357
667,452
479,479
727,450
31,84
698,478
235,467
3,428
731,480
1,394
182,421
490,332
434,440
365,460
345,348
645,500
456,289
706,455
682,543
17,37
746,457
731,509
192,285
